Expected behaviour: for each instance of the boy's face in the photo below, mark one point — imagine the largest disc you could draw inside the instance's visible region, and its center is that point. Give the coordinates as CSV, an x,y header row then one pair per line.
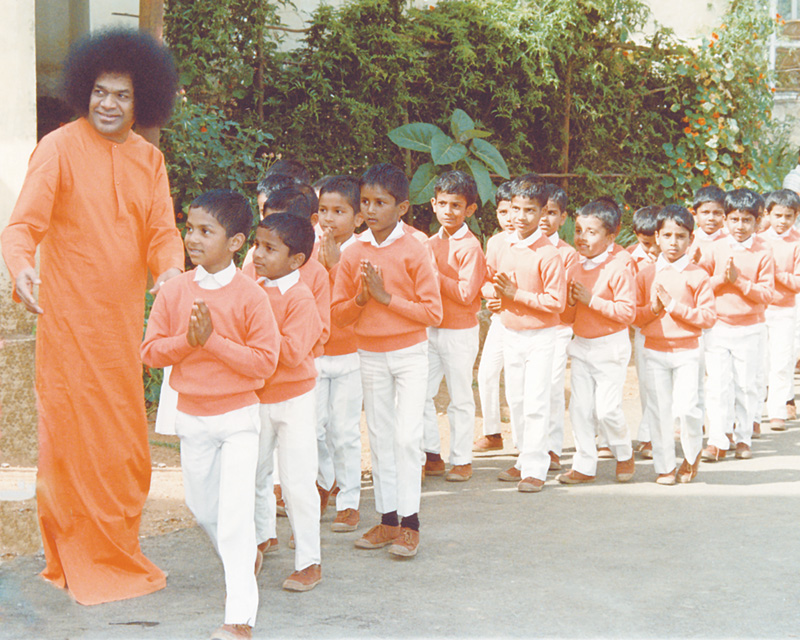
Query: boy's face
x,y
552,219
673,240
451,210
741,224
781,218
525,214
271,256
764,223
649,245
207,241
504,216
337,216
591,237
380,210
710,216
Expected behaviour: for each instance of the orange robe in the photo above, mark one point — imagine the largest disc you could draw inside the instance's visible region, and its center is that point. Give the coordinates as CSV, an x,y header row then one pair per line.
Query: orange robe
x,y
102,214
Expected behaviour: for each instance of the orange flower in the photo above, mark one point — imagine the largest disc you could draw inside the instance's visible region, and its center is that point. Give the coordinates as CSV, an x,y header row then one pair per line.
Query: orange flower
x,y
760,76
687,130
686,118
773,89
706,184
701,121
743,171
706,172
203,129
714,36
715,115
680,161
695,133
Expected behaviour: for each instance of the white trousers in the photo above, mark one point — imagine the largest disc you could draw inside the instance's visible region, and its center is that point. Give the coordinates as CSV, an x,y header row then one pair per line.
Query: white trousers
x,y
451,354
291,427
489,370
339,399
558,403
673,378
528,359
219,455
646,399
762,375
395,384
780,338
599,366
732,361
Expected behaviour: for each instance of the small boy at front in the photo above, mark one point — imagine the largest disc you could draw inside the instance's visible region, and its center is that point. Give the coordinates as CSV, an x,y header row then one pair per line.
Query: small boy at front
x,y
453,345
216,328
531,285
742,274
674,304
387,288
601,304
283,244
708,209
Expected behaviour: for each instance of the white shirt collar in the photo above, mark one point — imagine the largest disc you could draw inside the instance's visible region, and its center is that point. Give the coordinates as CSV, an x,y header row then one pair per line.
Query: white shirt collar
x,y
593,263
460,232
285,283
775,234
526,242
679,265
554,239
701,235
740,246
640,253
206,280
397,233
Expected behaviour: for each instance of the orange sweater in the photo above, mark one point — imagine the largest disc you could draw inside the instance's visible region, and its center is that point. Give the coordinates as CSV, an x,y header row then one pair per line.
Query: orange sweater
x,y
680,328
786,252
408,276
613,304
496,245
241,353
742,303
462,271
618,251
300,328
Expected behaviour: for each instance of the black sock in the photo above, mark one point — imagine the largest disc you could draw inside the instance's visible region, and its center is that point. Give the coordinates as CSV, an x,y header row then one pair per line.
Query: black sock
x,y
411,522
390,519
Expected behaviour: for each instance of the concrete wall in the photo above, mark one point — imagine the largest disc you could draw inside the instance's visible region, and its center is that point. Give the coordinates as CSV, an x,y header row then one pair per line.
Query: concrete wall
x,y
690,19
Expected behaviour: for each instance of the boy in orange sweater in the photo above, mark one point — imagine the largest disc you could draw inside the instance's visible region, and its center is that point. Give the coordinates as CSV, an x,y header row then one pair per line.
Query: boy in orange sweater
x,y
530,283
339,392
674,304
387,288
287,404
600,305
742,272
453,345
215,324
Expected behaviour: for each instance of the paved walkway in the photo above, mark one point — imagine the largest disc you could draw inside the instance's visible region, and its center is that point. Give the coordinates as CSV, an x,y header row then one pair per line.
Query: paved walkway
x,y
718,558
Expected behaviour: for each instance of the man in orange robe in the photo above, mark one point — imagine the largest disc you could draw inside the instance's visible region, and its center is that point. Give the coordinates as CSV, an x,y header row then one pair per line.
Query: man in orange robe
x,y
96,201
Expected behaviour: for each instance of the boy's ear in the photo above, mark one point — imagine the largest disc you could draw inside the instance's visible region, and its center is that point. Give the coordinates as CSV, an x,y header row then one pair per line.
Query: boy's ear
x,y
403,206
471,209
358,219
296,260
236,242
314,219
433,203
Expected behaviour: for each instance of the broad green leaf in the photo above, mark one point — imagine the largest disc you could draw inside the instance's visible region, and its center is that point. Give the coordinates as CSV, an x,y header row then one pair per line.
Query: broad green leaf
x,y
667,181
415,136
469,134
420,190
489,154
482,178
712,153
726,160
460,122
445,150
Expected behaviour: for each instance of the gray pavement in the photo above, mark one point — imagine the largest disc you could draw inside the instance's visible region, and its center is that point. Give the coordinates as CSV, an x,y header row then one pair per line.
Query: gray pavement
x,y
719,558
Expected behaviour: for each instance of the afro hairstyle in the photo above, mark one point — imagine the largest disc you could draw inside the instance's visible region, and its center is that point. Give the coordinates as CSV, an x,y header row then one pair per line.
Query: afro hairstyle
x,y
146,61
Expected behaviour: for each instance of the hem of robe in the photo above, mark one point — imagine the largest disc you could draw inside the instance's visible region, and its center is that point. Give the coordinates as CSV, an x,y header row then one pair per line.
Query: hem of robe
x,y
90,601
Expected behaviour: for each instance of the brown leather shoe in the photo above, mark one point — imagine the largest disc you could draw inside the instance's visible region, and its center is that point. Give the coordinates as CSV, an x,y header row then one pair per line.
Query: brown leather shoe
x,y
381,535
625,469
405,545
232,632
776,424
346,520
743,451
530,485
555,462
791,410
605,453
687,472
305,579
712,454
459,473
492,442
574,477
645,450
324,497
434,465
269,546
511,474
666,479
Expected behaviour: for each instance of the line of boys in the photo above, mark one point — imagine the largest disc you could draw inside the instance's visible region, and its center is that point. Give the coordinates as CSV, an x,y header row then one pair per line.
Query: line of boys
x,y
384,313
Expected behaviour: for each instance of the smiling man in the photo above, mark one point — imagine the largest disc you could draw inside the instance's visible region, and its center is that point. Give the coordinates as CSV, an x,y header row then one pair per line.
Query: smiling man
x,y
96,201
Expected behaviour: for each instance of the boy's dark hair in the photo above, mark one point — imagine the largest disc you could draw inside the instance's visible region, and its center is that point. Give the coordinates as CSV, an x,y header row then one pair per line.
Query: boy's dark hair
x,y
557,195
745,200
292,168
294,231
146,61
273,182
678,214
530,186
299,200
389,178
457,183
605,210
345,186
322,182
783,198
232,210
503,193
711,193
644,220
